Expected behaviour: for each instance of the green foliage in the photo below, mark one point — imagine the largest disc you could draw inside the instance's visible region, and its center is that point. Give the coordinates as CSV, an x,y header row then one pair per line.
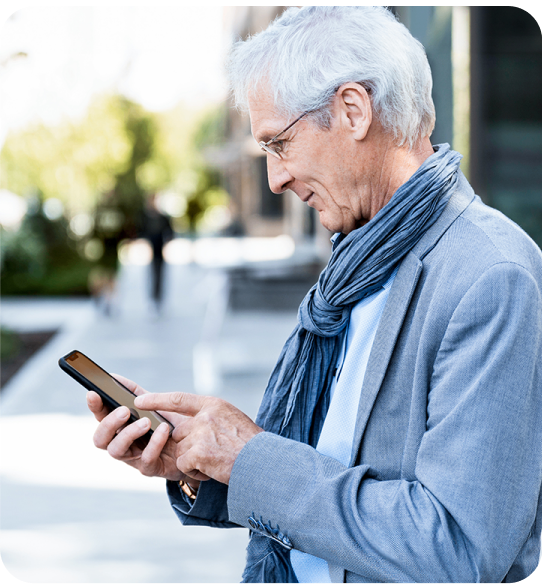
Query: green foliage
x,y
22,252
103,165
78,161
211,130
204,189
206,194
140,130
9,344
40,259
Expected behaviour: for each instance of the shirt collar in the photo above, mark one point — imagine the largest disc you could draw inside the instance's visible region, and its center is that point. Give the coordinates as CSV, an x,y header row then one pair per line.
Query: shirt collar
x,y
336,238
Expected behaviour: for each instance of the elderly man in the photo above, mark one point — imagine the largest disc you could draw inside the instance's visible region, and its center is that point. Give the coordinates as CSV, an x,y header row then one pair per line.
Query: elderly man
x,y
400,436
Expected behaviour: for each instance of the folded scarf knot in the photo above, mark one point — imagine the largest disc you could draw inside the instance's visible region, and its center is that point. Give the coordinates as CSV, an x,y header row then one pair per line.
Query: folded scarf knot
x,y
320,317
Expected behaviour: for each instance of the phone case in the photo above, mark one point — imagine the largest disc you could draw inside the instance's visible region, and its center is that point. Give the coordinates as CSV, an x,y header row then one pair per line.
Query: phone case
x,y
109,402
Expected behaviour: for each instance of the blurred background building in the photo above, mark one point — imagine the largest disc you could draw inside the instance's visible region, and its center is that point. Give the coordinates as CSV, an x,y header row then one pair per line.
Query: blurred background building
x,y
487,69
88,178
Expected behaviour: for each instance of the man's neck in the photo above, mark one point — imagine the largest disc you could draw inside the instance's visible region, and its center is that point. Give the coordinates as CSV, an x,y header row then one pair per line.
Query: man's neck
x,y
393,166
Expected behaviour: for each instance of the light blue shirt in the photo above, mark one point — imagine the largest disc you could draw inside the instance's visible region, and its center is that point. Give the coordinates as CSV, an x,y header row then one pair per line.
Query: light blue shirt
x,y
337,433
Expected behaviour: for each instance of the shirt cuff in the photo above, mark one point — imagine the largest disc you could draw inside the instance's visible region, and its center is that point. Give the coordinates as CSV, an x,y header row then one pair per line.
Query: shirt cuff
x,y
209,508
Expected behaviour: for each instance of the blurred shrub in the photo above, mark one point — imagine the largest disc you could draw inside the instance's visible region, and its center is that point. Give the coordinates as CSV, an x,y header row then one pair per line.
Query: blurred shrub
x,y
208,193
73,164
9,344
39,258
100,169
212,128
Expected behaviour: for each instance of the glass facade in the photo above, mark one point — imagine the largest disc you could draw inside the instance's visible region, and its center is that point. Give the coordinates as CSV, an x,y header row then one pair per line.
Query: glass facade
x,y
509,142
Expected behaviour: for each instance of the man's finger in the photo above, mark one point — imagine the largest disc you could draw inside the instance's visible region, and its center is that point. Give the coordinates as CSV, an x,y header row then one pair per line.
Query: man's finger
x,y
131,385
183,429
187,465
120,446
138,390
109,426
153,450
96,406
182,403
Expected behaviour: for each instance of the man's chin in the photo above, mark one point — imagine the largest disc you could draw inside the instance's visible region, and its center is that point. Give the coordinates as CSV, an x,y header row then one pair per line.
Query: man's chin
x,y
330,225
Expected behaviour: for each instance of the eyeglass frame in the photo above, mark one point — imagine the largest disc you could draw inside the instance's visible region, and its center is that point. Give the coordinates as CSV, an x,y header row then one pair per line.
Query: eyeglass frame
x,y
265,145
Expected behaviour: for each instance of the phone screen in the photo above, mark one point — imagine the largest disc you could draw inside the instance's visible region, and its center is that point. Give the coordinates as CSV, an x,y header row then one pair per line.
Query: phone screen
x,y
110,386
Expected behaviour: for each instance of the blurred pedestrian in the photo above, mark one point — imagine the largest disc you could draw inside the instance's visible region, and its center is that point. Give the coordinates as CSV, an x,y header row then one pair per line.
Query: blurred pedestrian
x,y
157,229
109,231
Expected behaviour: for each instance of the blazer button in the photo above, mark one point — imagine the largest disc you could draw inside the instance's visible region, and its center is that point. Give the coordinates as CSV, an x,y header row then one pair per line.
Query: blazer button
x,y
285,540
252,523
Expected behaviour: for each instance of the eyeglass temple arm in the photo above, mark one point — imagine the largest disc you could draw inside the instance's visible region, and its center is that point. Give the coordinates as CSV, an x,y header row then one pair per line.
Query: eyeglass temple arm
x,y
286,129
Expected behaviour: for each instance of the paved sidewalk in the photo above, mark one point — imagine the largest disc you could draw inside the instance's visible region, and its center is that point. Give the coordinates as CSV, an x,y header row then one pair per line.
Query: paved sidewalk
x,y
70,513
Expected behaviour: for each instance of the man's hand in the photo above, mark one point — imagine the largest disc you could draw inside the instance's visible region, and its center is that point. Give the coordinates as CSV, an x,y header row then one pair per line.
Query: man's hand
x,y
210,434
157,459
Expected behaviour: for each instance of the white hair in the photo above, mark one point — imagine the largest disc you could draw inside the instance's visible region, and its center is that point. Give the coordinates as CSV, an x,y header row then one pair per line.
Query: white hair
x,y
307,53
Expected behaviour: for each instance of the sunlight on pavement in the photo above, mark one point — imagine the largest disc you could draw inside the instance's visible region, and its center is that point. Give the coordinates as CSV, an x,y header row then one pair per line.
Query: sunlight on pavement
x,y
68,552
57,449
211,251
135,253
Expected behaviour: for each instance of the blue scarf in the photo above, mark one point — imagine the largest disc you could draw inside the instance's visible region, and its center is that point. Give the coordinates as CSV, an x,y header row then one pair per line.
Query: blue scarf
x,y
296,400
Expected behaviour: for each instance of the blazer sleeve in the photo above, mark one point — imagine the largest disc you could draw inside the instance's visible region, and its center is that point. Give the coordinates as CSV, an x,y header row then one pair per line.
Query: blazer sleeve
x,y
473,505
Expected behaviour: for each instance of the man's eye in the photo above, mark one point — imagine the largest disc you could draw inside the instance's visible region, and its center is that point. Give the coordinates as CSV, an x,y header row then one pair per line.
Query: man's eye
x,y
277,146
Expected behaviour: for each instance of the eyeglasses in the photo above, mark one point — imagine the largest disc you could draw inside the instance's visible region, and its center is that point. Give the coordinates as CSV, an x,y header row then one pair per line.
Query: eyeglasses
x,y
266,146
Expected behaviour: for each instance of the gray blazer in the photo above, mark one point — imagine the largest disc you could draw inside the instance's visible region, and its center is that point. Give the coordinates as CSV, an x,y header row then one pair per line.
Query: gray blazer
x,y
444,483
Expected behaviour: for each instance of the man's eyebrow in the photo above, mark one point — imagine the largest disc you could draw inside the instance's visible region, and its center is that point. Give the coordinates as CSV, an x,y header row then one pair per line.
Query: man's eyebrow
x,y
283,133
270,134
266,138
267,135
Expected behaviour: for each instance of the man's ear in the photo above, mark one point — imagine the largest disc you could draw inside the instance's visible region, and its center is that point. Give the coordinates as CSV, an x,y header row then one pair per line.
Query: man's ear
x,y
354,109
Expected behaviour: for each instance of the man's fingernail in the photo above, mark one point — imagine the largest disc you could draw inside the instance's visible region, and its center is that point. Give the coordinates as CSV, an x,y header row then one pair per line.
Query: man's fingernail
x,y
123,412
144,422
138,402
164,427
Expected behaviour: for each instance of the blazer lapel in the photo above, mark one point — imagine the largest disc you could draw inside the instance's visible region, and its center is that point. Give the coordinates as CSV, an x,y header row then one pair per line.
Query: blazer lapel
x,y
396,307
386,335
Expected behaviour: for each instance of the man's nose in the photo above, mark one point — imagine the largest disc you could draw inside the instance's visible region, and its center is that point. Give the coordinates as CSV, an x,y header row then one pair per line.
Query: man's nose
x,y
277,174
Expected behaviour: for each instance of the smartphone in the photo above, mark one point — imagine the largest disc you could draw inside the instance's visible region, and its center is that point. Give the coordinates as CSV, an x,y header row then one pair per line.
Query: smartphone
x,y
113,393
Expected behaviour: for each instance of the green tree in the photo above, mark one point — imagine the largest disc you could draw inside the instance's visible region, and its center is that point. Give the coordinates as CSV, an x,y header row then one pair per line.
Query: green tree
x,y
39,258
102,166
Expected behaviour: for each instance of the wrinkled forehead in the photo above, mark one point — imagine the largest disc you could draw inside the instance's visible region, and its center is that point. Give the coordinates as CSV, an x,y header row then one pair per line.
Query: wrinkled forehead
x,y
265,120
